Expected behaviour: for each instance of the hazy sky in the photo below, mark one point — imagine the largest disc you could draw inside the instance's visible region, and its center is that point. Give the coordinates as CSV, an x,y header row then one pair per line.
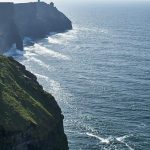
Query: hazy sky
x,y
77,1
62,1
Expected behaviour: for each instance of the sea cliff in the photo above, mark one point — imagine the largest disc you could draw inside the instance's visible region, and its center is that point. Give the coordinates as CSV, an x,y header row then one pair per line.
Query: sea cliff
x,y
30,118
34,20
9,33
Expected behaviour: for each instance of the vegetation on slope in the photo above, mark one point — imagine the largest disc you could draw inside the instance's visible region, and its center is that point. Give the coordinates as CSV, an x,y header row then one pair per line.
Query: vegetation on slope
x,y
23,102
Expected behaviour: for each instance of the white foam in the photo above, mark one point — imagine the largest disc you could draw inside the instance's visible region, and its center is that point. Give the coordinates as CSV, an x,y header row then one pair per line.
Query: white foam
x,y
41,76
121,139
108,140
102,140
38,62
62,38
54,40
41,50
130,148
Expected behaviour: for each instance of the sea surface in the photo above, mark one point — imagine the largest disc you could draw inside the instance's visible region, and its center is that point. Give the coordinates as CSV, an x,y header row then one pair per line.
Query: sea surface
x,y
99,73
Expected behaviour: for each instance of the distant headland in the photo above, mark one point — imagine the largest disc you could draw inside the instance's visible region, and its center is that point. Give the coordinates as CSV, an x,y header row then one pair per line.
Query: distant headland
x,y
34,20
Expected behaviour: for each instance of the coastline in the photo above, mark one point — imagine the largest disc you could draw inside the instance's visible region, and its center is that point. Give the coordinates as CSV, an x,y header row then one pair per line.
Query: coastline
x,y
41,126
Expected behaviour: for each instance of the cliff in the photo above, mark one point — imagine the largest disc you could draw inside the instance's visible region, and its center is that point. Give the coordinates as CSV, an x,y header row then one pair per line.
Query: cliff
x,y
30,118
9,33
34,20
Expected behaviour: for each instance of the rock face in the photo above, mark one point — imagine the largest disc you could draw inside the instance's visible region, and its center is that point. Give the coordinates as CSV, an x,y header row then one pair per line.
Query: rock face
x,y
30,118
9,33
34,20
38,19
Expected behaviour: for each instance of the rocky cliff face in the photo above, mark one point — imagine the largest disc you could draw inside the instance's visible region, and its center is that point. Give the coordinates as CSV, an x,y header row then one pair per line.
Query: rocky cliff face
x,y
38,19
30,118
34,20
9,33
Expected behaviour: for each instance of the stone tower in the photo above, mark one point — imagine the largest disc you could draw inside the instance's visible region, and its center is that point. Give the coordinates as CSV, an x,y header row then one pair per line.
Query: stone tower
x,y
38,0
52,4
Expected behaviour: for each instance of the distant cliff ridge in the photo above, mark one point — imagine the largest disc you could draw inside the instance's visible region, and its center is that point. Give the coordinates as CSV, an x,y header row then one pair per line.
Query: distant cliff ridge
x,y
33,20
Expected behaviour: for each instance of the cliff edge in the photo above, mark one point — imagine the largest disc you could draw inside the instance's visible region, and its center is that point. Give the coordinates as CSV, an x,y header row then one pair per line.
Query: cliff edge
x,y
30,117
34,20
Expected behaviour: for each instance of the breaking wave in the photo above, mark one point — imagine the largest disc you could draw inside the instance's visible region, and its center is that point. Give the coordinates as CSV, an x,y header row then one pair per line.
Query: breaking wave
x,y
110,139
122,140
63,38
102,140
41,50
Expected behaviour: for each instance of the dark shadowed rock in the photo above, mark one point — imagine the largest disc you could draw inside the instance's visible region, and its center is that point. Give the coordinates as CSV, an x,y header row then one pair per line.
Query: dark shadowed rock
x,y
9,33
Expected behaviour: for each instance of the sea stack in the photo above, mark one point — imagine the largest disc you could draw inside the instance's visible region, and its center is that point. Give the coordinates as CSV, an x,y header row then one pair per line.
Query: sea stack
x,y
9,33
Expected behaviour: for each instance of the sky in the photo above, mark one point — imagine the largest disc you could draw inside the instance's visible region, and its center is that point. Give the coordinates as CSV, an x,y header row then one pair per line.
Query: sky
x,y
80,2
73,1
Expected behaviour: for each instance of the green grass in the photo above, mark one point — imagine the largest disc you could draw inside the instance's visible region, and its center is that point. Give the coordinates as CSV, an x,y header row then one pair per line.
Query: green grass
x,y
23,102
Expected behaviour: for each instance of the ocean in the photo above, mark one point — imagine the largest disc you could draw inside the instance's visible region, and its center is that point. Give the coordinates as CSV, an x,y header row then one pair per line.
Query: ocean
x,y
99,73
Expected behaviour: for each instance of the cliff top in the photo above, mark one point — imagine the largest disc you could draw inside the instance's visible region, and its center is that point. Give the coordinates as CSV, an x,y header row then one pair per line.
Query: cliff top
x,y
23,102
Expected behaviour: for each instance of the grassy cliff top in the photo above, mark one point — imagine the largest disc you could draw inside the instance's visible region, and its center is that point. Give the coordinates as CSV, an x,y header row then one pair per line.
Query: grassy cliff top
x,y
23,102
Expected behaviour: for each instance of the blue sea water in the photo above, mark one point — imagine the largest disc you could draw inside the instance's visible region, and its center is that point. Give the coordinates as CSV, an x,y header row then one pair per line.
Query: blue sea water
x,y
99,73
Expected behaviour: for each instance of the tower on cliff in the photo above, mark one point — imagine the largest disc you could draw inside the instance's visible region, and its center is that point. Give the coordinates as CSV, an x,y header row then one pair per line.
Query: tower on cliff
x,y
52,4
38,0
